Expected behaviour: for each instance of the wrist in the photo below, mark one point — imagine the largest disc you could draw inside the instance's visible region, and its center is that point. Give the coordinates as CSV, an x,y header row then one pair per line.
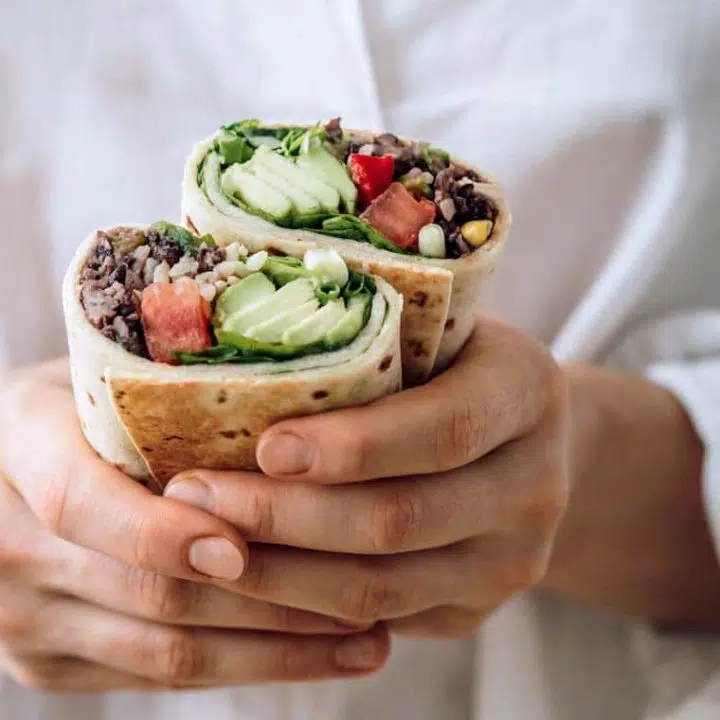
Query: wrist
x,y
635,538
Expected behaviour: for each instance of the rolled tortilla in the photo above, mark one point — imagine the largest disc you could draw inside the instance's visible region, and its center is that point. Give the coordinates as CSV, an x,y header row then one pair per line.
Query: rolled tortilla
x,y
153,420
441,295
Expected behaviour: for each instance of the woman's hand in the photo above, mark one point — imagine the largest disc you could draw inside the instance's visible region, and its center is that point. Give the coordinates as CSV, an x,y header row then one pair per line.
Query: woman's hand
x,y
103,585
427,509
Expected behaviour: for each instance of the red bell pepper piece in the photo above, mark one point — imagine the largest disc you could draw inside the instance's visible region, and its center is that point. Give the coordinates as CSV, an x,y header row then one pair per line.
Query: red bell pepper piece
x,y
372,174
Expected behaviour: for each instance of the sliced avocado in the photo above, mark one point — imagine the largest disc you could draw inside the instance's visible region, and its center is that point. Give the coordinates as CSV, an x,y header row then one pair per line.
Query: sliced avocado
x,y
283,270
331,171
314,328
297,292
271,331
346,329
237,297
302,201
236,180
285,168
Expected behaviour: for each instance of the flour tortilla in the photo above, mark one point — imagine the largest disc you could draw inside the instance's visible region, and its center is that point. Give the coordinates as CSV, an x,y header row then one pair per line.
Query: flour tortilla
x,y
441,295
153,420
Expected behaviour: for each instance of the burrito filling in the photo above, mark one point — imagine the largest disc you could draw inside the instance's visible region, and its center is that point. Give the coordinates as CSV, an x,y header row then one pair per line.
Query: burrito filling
x,y
170,296
405,197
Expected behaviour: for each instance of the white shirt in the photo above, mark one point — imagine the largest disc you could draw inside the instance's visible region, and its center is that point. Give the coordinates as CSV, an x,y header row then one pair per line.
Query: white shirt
x,y
602,124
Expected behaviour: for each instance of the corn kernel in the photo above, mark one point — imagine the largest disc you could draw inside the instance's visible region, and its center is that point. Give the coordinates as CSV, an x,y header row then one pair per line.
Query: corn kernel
x,y
476,232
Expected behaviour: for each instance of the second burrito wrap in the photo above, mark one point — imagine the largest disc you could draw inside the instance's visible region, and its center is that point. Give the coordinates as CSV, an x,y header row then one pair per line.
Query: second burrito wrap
x,y
430,225
183,353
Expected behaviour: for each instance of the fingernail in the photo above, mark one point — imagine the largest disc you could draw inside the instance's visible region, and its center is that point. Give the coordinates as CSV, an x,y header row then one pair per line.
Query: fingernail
x,y
217,558
285,454
362,652
191,492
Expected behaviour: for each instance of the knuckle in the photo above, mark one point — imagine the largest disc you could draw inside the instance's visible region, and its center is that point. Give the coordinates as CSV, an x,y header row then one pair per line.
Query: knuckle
x,y
178,658
13,556
285,618
461,431
352,445
15,627
543,507
147,539
396,516
259,515
371,599
162,598
38,675
525,572
292,660
534,568
255,581
54,505
551,391
537,568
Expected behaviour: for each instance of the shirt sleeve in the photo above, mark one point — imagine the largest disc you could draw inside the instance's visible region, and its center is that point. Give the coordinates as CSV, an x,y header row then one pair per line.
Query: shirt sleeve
x,y
682,353
697,386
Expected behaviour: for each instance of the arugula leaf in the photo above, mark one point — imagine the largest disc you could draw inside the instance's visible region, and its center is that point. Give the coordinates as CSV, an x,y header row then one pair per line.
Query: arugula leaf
x,y
188,242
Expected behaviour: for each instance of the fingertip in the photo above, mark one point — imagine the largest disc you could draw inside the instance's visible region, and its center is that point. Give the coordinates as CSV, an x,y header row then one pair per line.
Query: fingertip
x,y
365,652
282,452
182,540
190,489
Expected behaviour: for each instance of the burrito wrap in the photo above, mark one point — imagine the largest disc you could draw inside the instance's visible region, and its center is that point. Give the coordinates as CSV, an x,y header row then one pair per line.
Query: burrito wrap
x,y
441,295
152,420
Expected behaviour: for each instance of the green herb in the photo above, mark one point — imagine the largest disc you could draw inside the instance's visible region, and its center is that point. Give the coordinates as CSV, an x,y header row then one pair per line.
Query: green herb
x,y
436,158
188,242
249,125
309,221
357,285
353,228
300,140
325,292
236,142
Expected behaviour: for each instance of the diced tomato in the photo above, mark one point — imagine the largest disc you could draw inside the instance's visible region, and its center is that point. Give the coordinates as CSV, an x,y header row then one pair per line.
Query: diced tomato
x,y
372,174
175,318
398,216
207,307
